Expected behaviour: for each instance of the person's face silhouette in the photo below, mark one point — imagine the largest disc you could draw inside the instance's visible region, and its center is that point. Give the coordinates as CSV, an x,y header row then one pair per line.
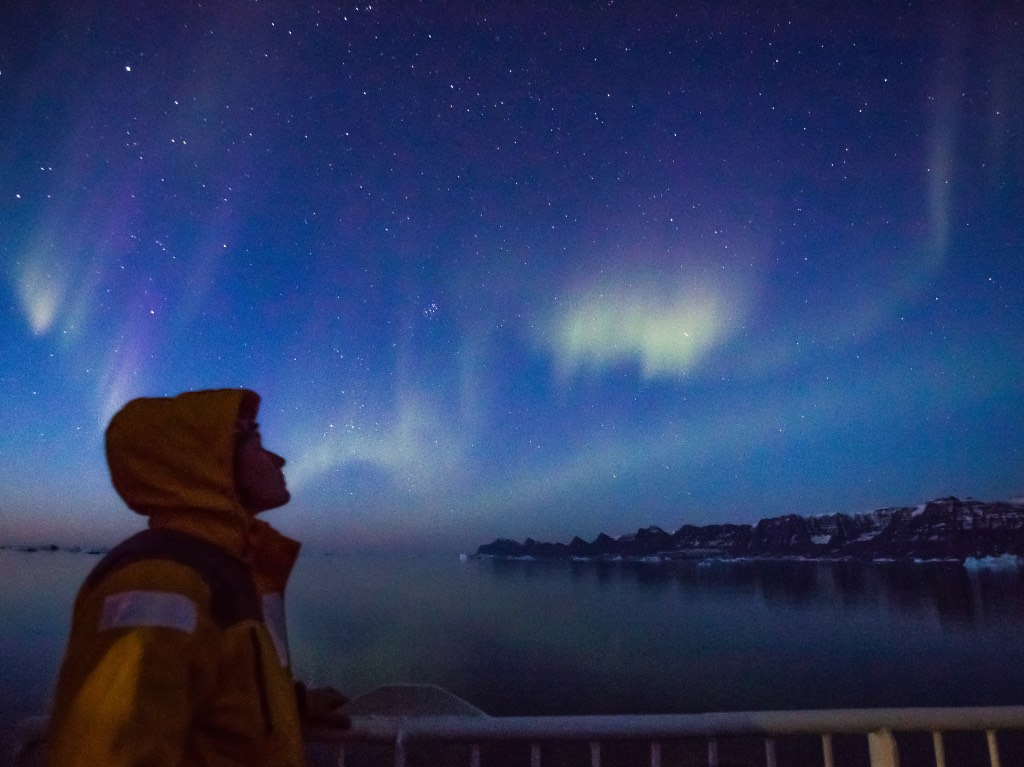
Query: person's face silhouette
x,y
258,476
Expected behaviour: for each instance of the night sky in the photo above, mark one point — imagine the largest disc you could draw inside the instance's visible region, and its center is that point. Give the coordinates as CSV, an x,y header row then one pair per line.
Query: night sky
x,y
511,269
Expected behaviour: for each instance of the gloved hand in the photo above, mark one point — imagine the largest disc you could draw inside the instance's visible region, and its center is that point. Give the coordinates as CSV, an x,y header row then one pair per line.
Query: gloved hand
x,y
321,706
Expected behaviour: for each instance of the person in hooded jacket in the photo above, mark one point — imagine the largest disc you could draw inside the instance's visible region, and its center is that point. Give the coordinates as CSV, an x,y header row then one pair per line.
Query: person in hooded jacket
x,y
178,653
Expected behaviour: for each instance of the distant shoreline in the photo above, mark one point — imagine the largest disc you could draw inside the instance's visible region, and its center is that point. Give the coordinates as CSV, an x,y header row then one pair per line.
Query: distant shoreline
x,y
53,547
943,530
1002,562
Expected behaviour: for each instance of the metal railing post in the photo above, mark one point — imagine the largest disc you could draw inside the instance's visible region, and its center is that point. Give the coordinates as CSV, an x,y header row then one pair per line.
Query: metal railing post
x,y
595,753
655,754
826,749
769,752
993,748
713,752
883,750
940,749
400,748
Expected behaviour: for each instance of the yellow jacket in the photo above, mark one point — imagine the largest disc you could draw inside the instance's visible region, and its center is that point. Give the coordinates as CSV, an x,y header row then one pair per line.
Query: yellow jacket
x,y
178,653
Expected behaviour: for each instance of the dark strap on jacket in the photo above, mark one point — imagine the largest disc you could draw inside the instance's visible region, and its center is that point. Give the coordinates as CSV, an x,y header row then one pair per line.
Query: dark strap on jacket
x,y
233,595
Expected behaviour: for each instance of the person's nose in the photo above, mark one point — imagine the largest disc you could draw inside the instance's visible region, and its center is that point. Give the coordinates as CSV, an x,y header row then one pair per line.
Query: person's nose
x,y
277,459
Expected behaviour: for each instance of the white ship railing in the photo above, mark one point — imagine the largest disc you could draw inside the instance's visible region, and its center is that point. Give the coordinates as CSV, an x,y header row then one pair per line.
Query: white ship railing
x,y
878,726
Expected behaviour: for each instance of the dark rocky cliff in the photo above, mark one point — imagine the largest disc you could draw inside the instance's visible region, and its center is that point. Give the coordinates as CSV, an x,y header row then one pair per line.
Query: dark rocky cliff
x,y
946,528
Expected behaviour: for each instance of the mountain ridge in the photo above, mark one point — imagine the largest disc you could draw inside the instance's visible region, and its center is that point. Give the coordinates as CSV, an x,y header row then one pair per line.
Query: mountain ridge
x,y
942,529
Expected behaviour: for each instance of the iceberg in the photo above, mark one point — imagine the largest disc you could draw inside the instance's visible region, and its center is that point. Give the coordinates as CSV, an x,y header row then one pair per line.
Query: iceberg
x,y
1003,562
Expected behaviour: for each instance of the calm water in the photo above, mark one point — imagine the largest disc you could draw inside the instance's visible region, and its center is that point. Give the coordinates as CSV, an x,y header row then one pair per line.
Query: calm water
x,y
566,638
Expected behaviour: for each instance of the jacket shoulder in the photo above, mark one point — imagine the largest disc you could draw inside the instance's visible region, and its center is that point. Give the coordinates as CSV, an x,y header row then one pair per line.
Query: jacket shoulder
x,y
233,595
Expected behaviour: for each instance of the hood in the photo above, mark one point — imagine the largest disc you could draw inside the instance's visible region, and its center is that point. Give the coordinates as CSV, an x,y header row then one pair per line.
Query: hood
x,y
175,455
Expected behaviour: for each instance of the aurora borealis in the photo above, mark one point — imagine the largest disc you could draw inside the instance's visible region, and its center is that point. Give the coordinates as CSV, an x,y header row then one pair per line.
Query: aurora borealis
x,y
501,269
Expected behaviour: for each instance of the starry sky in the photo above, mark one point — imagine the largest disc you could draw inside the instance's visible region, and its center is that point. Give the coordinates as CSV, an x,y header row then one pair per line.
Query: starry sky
x,y
511,269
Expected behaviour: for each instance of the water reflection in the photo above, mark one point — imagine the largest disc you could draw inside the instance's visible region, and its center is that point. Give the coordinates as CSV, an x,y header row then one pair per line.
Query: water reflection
x,y
946,591
587,637
686,636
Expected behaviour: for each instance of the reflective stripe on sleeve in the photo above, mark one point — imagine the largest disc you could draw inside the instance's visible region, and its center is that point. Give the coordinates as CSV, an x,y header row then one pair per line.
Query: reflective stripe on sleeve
x,y
163,609
273,617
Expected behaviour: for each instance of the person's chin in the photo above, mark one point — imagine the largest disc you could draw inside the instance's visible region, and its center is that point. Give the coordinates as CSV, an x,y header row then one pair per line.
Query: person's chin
x,y
274,503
